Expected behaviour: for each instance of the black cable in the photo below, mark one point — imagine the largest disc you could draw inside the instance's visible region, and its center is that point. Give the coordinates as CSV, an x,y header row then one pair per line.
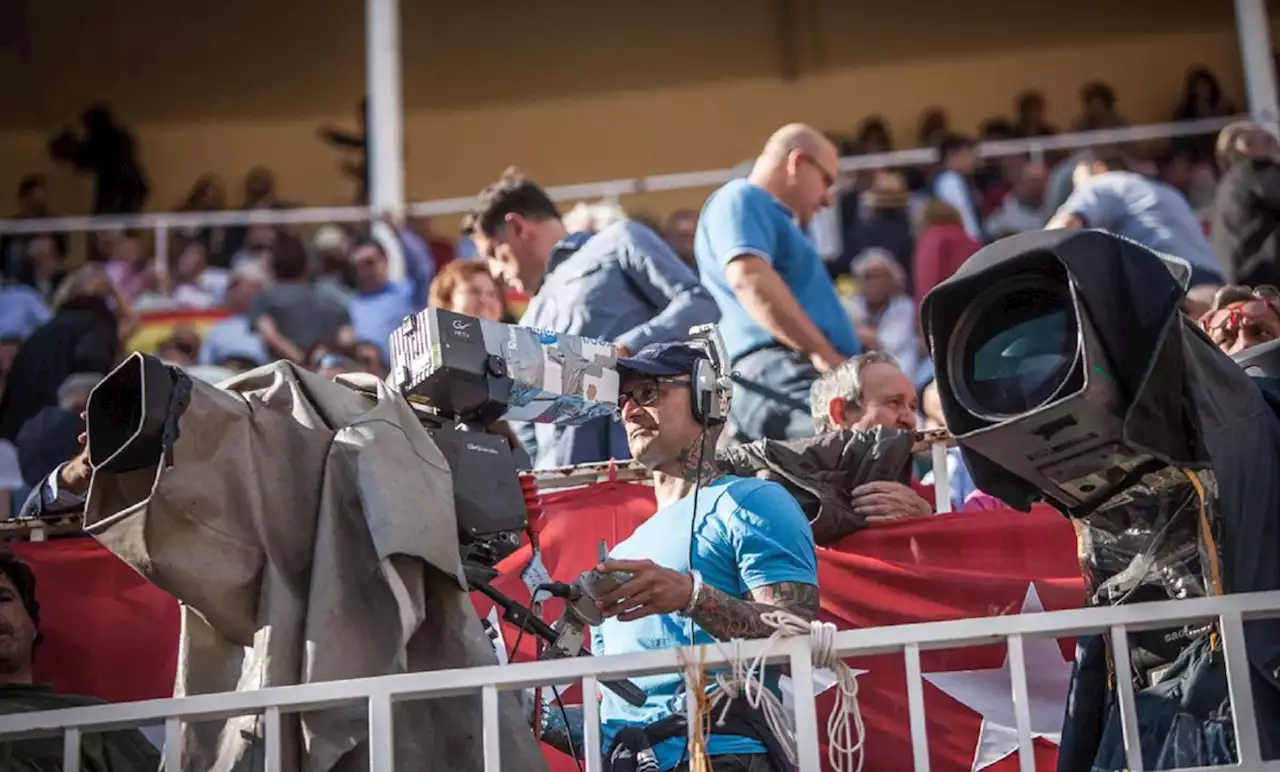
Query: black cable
x,y
568,730
537,691
524,625
693,525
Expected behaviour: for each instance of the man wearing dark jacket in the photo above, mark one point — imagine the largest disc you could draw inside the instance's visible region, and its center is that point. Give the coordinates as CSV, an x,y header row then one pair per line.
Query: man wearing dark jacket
x,y
81,337
51,436
1246,208
125,750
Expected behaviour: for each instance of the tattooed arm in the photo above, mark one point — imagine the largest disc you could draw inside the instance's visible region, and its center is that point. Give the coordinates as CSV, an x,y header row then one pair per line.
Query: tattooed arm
x,y
726,617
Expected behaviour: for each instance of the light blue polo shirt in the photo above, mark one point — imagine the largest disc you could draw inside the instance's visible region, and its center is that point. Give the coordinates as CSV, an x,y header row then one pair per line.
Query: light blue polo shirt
x,y
743,219
749,533
1146,211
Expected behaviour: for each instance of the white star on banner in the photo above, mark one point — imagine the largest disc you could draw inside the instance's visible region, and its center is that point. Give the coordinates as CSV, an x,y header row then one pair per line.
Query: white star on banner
x,y
990,694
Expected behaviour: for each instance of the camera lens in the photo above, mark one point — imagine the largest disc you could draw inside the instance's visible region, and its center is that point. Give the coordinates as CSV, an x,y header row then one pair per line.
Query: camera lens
x,y
1016,348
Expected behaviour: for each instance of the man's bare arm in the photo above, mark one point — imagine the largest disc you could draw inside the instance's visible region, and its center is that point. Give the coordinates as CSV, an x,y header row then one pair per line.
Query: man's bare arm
x,y
726,617
771,303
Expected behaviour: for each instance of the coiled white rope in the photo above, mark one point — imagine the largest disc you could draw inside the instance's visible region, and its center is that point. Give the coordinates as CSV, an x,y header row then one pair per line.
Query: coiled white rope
x,y
846,732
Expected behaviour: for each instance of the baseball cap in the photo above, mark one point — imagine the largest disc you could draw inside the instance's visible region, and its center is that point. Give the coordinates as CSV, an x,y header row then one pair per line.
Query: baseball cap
x,y
662,360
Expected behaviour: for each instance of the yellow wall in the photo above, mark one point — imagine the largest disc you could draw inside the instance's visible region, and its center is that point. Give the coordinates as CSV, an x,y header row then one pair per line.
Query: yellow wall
x,y
583,92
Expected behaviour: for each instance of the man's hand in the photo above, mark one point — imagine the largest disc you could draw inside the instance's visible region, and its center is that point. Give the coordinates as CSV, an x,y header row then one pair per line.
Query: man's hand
x,y
881,502
76,473
826,361
622,351
651,590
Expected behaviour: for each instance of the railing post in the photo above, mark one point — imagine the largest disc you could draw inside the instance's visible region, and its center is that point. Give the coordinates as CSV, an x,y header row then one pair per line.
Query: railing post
x,y
1253,28
162,253
384,124
808,754
173,743
941,479
1021,703
1238,679
492,729
1124,691
271,729
382,746
71,748
915,709
1036,154
591,751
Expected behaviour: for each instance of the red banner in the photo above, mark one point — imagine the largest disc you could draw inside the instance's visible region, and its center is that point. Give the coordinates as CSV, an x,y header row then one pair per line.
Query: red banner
x,y
955,566
110,634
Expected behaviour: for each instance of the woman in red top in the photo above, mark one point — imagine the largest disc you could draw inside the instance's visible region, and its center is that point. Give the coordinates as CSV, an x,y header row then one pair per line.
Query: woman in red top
x,y
941,248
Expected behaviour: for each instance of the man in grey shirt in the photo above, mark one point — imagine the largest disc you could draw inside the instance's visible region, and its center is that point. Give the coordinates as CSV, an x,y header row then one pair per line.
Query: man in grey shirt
x,y
623,285
1110,198
293,316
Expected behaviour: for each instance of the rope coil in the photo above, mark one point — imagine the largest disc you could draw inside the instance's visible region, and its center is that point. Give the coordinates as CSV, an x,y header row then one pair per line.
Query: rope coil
x,y
846,732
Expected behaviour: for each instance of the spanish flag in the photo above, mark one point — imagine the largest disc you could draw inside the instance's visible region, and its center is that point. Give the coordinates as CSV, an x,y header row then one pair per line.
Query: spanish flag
x,y
154,327
517,302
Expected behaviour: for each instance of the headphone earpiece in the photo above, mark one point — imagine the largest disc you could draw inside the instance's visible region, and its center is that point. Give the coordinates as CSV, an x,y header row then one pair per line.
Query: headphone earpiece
x,y
708,402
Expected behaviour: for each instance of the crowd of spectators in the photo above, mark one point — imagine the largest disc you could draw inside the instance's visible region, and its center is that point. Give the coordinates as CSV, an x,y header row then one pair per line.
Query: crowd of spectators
x,y
325,299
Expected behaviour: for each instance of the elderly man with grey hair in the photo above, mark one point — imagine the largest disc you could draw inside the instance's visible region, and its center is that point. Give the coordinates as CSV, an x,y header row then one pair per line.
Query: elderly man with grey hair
x,y
866,392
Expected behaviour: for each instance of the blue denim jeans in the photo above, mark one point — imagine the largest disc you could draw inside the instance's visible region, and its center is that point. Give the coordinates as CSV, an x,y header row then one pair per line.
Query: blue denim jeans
x,y
771,396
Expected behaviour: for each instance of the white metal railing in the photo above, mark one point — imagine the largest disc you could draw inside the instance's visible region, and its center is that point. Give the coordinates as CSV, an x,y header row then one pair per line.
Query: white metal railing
x,y
162,222
1229,612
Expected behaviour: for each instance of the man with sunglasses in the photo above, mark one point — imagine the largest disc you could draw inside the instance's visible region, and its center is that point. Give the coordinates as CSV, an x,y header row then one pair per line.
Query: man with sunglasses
x,y
782,321
751,551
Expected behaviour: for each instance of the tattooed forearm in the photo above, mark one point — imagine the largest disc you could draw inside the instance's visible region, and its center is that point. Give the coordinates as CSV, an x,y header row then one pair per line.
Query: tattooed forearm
x,y
561,730
725,616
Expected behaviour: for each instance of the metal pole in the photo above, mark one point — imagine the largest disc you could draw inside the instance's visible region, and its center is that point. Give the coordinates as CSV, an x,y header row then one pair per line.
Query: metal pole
x,y
385,116
1253,29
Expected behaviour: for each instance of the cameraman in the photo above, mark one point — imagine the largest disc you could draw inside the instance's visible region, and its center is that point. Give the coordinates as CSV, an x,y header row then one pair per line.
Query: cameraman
x,y
752,552
623,285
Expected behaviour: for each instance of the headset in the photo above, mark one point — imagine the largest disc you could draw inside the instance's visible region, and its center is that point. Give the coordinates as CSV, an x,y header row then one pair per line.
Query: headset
x,y
712,382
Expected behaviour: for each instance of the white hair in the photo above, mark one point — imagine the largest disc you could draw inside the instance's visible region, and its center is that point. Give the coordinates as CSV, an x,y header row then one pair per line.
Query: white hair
x,y
593,217
77,384
253,272
873,256
846,382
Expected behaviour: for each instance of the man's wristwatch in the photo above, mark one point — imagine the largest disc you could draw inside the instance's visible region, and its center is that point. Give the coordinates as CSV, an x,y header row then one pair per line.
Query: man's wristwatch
x,y
693,596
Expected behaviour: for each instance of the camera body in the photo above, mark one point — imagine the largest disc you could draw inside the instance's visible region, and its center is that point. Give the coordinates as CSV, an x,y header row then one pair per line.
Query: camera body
x,y
1059,358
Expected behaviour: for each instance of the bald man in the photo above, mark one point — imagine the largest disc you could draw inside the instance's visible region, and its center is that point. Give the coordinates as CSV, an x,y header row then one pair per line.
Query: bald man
x,y
780,316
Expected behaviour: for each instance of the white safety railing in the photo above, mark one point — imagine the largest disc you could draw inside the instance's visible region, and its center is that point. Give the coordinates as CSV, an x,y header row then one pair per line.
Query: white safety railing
x,y
163,222
379,694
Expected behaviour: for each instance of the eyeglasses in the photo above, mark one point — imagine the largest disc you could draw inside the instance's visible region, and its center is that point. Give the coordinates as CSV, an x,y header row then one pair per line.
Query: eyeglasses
x,y
828,178
1234,315
648,393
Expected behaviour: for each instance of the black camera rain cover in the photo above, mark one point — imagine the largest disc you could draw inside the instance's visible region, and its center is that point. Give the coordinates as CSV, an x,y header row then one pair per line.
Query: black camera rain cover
x,y
1190,406
1133,299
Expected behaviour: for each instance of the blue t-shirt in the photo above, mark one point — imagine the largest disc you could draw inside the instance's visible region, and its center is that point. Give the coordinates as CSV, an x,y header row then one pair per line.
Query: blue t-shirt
x,y
743,219
375,315
749,533
21,311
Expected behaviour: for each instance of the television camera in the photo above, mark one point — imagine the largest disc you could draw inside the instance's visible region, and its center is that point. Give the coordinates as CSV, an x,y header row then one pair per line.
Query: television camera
x,y
1067,373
